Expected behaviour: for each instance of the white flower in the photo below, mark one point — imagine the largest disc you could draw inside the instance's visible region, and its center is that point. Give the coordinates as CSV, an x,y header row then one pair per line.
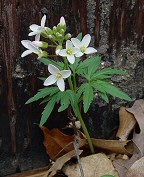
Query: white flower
x,y
32,48
62,21
83,45
36,29
57,76
69,52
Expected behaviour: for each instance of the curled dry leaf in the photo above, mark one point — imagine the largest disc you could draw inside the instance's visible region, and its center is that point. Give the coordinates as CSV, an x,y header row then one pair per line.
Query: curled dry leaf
x,y
60,162
138,110
57,143
121,147
127,123
122,166
137,169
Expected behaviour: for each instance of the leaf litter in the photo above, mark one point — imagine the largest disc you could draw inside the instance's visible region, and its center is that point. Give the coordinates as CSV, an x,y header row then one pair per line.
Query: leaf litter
x,y
127,154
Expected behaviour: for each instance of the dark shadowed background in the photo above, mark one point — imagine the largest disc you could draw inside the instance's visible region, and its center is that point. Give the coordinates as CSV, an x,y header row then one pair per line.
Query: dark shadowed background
x,y
117,29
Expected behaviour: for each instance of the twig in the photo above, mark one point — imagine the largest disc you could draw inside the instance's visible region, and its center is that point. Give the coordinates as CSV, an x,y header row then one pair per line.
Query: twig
x,y
78,158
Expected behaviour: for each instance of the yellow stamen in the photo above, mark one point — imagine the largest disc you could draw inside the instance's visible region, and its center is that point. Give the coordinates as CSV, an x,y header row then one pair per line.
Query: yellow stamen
x,y
69,51
83,49
58,75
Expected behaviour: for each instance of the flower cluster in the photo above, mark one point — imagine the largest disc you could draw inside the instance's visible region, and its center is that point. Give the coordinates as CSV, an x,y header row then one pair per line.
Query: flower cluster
x,y
57,35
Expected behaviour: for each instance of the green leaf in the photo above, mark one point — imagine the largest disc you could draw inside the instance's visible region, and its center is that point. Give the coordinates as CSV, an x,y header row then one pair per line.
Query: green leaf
x,y
110,71
73,100
81,90
104,96
75,64
47,61
112,90
79,36
47,110
92,68
88,96
95,77
43,93
42,78
64,101
89,62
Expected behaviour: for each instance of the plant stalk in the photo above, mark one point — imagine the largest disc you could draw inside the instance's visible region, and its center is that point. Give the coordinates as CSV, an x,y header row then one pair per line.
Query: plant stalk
x,y
79,114
86,132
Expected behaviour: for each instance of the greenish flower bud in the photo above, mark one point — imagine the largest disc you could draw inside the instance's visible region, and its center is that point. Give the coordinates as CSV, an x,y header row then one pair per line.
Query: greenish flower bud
x,y
44,34
67,36
44,54
54,29
44,45
58,49
58,35
62,31
49,31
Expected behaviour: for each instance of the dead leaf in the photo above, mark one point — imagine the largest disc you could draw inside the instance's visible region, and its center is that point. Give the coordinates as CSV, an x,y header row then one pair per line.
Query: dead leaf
x,y
137,169
55,141
138,110
59,163
94,165
122,166
127,123
122,147
58,144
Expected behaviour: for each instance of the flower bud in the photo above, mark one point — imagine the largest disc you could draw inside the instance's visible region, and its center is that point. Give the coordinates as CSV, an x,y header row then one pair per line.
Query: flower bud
x,y
58,35
67,36
58,49
40,44
44,54
49,31
54,29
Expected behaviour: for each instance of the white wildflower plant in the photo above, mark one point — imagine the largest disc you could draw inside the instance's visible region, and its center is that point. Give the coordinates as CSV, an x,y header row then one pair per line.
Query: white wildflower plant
x,y
72,62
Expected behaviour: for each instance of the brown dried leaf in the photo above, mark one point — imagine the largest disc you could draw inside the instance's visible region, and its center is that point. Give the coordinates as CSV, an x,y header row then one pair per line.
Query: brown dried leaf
x,y
55,141
122,147
137,169
138,110
60,162
127,123
123,165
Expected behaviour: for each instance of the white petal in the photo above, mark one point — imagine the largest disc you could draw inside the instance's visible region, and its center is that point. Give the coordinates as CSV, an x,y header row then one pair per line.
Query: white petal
x,y
37,43
62,21
90,50
63,53
68,44
37,37
76,42
33,33
43,20
33,48
86,40
71,58
57,51
50,80
79,54
25,43
52,69
76,50
61,84
25,53
34,27
65,73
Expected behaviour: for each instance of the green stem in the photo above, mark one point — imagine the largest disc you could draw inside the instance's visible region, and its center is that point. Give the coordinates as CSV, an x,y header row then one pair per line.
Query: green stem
x,y
52,45
86,132
79,114
74,80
